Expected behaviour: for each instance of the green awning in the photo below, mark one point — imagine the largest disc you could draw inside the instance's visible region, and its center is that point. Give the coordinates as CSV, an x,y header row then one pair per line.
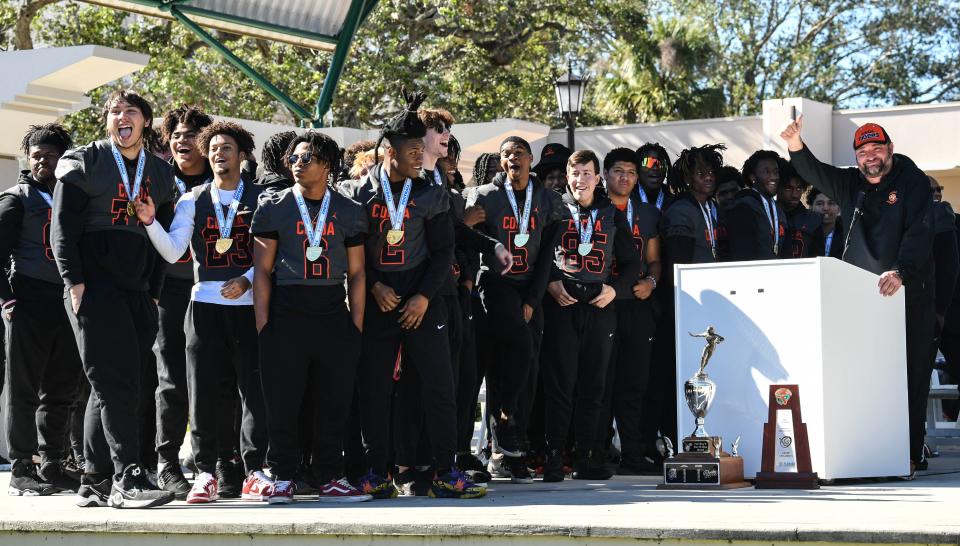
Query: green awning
x,y
318,24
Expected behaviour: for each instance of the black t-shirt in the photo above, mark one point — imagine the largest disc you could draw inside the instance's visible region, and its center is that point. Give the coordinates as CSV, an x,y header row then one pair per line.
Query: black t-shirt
x,y
209,264
278,217
643,227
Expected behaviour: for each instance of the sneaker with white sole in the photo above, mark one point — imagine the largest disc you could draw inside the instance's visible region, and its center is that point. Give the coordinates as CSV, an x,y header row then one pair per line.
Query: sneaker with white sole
x,y
341,491
282,492
257,486
132,489
204,489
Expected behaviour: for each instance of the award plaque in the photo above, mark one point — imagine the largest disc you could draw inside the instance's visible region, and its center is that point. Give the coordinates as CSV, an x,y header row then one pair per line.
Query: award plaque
x,y
786,448
703,464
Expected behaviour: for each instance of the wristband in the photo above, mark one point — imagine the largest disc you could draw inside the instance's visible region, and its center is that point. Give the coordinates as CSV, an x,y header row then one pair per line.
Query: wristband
x,y
652,279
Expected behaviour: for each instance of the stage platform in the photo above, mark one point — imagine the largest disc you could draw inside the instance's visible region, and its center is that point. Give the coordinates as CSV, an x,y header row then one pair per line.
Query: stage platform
x,y
621,510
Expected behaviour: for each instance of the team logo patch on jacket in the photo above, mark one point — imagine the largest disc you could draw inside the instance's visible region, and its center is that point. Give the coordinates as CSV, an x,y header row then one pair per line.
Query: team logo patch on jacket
x,y
892,198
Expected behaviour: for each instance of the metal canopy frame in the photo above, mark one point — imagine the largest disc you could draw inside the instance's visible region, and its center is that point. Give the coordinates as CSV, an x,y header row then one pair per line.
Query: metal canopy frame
x,y
180,10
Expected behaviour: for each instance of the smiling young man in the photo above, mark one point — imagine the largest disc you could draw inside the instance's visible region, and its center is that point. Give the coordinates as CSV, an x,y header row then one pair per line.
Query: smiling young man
x,y
408,255
579,319
114,276
756,225
629,371
190,169
520,213
887,210
213,219
43,364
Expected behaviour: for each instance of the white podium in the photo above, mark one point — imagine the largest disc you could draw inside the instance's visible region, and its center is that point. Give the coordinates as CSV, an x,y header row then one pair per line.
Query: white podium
x,y
819,323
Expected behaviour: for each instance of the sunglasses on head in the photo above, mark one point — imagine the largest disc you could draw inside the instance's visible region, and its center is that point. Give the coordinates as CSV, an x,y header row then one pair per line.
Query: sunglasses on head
x,y
306,157
651,163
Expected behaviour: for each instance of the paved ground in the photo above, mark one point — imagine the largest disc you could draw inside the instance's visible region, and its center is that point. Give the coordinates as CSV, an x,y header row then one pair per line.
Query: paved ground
x,y
923,511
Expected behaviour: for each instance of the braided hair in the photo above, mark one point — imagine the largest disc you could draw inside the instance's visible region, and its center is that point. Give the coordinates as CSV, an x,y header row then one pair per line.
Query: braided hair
x,y
405,125
274,150
685,165
324,149
52,134
480,168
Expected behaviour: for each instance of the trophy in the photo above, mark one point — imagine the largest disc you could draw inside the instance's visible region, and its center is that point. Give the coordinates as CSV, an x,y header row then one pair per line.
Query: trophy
x,y
702,463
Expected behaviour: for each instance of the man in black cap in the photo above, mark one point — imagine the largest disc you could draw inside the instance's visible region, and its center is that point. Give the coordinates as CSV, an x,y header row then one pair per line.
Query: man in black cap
x,y
888,210
551,170
409,251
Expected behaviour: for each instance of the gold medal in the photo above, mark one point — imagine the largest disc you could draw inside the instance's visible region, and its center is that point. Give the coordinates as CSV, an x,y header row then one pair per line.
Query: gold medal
x,y
131,209
394,236
223,245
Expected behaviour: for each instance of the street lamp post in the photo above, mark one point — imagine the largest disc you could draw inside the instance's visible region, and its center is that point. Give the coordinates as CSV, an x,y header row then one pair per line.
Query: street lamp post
x,y
570,89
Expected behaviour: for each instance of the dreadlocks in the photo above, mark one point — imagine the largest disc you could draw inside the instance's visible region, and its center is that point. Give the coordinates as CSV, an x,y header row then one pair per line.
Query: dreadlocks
x,y
51,134
481,166
271,157
404,126
710,155
325,150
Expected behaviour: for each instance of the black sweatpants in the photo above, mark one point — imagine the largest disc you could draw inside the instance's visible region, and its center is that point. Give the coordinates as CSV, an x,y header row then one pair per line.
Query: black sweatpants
x,y
428,349
117,329
171,354
920,333
468,385
578,341
515,345
43,370
222,361
411,438
303,352
660,401
629,374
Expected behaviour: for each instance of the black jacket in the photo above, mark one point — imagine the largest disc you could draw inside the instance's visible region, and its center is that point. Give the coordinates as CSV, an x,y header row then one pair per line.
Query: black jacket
x,y
748,229
803,225
890,224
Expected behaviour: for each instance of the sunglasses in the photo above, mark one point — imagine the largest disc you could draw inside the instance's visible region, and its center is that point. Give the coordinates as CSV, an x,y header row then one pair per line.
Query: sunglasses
x,y
651,163
306,157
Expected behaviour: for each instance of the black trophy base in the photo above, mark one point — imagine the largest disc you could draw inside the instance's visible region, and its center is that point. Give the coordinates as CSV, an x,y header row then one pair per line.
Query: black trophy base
x,y
703,472
787,480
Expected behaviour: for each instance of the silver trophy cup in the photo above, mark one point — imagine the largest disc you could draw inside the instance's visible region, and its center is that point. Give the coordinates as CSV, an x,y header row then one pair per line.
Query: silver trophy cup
x,y
699,392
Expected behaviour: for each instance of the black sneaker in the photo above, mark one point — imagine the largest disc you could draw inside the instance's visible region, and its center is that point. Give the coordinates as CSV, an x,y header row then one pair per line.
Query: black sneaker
x,y
74,468
171,478
132,489
592,468
92,492
25,481
230,478
472,467
414,482
519,473
306,481
53,473
553,467
506,436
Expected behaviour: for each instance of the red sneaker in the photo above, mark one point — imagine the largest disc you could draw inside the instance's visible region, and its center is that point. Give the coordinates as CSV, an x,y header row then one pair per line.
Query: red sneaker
x,y
257,487
341,491
282,492
204,489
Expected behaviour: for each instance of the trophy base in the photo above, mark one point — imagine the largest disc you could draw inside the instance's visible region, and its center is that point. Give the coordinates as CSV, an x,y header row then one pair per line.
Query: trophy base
x,y
702,471
787,480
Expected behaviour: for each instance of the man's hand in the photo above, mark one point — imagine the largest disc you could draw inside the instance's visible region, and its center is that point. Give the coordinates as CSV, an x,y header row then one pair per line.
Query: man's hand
x,y
504,256
643,289
560,294
792,134
474,215
411,314
235,287
527,313
890,282
607,293
387,300
76,294
146,211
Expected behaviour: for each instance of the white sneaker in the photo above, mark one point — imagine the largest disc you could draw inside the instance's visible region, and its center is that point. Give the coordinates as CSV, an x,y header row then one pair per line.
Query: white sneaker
x,y
204,489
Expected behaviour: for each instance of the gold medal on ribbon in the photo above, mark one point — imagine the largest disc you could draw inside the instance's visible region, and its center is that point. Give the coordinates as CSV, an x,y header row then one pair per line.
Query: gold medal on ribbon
x,y
131,209
223,245
394,236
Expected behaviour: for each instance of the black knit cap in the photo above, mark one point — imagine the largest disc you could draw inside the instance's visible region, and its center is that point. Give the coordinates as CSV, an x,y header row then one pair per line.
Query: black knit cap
x,y
406,124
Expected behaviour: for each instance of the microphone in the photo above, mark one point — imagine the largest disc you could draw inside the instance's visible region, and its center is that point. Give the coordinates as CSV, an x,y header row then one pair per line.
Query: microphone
x,y
857,213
